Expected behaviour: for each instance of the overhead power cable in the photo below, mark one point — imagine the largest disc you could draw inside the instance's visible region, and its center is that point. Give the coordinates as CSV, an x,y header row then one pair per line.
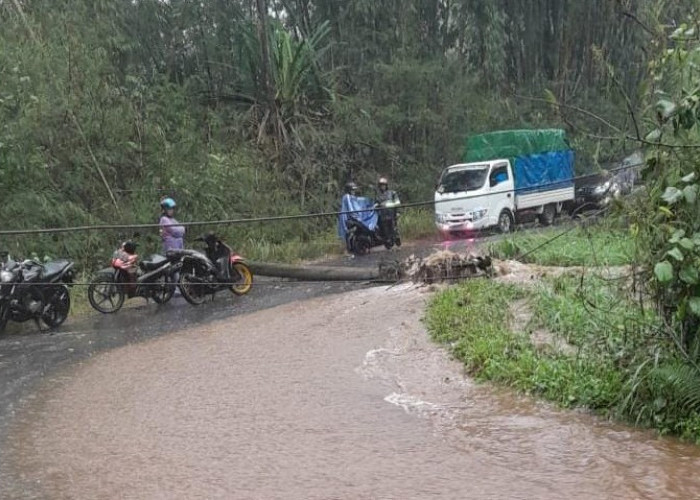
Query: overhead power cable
x,y
276,218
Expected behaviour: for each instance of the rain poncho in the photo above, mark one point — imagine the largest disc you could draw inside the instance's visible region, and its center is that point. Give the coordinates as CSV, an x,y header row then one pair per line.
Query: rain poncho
x,y
367,215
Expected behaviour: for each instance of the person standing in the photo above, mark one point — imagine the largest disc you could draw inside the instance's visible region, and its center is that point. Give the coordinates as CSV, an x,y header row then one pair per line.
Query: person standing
x,y
171,232
388,202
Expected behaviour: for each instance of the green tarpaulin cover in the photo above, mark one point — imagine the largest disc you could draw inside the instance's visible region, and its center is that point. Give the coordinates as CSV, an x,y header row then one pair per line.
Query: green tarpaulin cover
x,y
510,144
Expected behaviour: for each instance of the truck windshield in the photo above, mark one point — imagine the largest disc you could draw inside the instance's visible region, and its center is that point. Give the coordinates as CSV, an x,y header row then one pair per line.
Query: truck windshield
x,y
458,181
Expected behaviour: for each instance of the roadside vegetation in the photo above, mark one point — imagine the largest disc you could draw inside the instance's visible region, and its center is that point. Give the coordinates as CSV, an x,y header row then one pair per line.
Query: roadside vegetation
x,y
253,108
578,342
601,244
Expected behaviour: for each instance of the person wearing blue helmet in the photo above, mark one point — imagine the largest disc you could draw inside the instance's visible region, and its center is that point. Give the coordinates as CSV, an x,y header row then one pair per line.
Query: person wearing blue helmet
x,y
171,232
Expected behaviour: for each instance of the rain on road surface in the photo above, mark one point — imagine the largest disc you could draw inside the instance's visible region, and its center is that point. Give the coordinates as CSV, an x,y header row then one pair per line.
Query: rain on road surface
x,y
340,396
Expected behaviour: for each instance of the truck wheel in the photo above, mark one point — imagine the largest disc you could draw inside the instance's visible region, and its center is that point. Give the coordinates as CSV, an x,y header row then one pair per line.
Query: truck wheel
x,y
505,222
548,214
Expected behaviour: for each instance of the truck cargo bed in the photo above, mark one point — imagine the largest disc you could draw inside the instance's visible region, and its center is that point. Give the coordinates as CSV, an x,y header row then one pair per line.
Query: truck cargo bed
x,y
540,198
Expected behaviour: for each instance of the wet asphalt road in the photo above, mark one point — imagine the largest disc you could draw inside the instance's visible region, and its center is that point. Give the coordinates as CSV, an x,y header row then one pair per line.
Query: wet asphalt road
x,y
29,356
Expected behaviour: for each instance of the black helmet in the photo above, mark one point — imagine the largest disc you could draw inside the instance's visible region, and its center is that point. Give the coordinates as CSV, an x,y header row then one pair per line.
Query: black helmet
x,y
129,247
210,238
350,188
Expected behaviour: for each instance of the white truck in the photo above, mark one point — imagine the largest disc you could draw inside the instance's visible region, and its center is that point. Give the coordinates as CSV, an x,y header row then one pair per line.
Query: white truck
x,y
505,175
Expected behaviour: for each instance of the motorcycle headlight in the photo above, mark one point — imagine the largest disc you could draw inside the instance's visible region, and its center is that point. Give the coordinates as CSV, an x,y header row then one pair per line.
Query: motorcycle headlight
x,y
5,276
479,214
602,188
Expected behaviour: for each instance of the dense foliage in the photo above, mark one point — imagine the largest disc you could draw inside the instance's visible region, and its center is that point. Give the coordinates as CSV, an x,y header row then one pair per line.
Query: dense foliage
x,y
242,107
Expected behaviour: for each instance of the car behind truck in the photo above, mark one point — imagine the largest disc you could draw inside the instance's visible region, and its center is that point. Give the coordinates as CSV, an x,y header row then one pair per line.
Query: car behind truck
x,y
505,175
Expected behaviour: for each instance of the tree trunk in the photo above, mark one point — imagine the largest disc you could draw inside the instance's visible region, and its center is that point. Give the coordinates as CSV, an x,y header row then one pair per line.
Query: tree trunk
x,y
267,90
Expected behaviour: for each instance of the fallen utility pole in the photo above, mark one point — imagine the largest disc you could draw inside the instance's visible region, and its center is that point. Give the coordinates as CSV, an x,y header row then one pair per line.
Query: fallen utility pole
x,y
441,266
315,273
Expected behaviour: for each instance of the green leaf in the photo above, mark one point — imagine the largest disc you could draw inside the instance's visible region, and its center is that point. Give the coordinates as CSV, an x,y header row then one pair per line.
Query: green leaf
x,y
672,195
663,271
689,274
677,33
691,193
687,243
666,108
550,97
676,236
694,305
675,253
653,136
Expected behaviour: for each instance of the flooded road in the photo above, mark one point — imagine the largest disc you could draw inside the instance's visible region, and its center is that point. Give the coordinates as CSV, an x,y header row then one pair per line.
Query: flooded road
x,y
341,396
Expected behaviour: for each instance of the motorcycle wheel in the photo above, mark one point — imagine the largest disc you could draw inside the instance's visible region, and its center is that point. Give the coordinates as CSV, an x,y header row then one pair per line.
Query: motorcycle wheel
x,y
362,246
192,288
57,309
105,295
245,278
164,290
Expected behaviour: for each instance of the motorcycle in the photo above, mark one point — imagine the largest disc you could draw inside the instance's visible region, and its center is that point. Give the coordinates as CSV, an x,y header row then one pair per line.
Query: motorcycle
x,y
30,290
215,269
374,226
152,278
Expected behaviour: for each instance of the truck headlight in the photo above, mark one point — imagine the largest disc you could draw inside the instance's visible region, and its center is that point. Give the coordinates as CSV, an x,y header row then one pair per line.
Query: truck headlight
x,y
5,276
479,214
440,218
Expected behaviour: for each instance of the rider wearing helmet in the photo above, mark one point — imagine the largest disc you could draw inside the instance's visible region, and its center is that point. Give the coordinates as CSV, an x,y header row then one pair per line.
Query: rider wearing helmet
x,y
388,199
171,232
351,188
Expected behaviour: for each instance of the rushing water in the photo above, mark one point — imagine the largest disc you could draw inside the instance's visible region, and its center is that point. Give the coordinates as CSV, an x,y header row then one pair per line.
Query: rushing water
x,y
340,397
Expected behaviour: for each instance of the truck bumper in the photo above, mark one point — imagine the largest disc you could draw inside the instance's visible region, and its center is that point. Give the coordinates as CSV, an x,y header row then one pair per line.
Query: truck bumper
x,y
450,228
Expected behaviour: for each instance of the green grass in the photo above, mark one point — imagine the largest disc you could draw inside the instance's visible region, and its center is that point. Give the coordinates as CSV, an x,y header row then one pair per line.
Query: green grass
x,y
615,363
594,246
413,225
416,224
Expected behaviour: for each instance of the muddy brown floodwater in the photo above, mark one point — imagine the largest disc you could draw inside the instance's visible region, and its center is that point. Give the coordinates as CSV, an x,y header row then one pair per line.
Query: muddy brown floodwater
x,y
338,397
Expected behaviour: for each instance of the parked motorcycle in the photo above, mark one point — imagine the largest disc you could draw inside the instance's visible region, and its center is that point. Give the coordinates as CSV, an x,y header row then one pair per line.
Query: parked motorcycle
x,y
127,277
215,269
30,290
365,231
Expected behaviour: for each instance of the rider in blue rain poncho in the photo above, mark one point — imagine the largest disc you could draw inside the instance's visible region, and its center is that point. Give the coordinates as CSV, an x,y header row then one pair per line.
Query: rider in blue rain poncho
x,y
363,208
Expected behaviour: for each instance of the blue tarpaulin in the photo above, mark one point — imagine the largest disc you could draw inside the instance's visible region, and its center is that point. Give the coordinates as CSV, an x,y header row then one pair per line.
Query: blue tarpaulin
x,y
368,216
542,172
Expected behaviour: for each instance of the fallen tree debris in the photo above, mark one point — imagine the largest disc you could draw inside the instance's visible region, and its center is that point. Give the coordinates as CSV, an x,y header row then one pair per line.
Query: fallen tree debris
x,y
438,267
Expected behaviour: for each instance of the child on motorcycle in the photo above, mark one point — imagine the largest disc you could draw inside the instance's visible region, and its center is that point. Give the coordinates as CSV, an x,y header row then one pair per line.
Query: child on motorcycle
x,y
126,259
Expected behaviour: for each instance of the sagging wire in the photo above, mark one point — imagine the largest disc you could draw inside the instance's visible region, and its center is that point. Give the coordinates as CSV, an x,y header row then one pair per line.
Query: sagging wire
x,y
277,218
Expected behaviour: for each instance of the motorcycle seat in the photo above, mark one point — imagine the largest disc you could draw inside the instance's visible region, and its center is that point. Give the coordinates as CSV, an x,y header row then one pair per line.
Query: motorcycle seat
x,y
153,262
55,268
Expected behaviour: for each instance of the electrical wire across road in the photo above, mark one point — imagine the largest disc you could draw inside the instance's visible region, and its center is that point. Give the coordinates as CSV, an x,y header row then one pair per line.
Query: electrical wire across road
x,y
371,281
272,218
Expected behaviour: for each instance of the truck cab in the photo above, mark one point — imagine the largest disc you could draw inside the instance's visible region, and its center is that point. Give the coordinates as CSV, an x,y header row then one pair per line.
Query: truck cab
x,y
474,196
505,176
